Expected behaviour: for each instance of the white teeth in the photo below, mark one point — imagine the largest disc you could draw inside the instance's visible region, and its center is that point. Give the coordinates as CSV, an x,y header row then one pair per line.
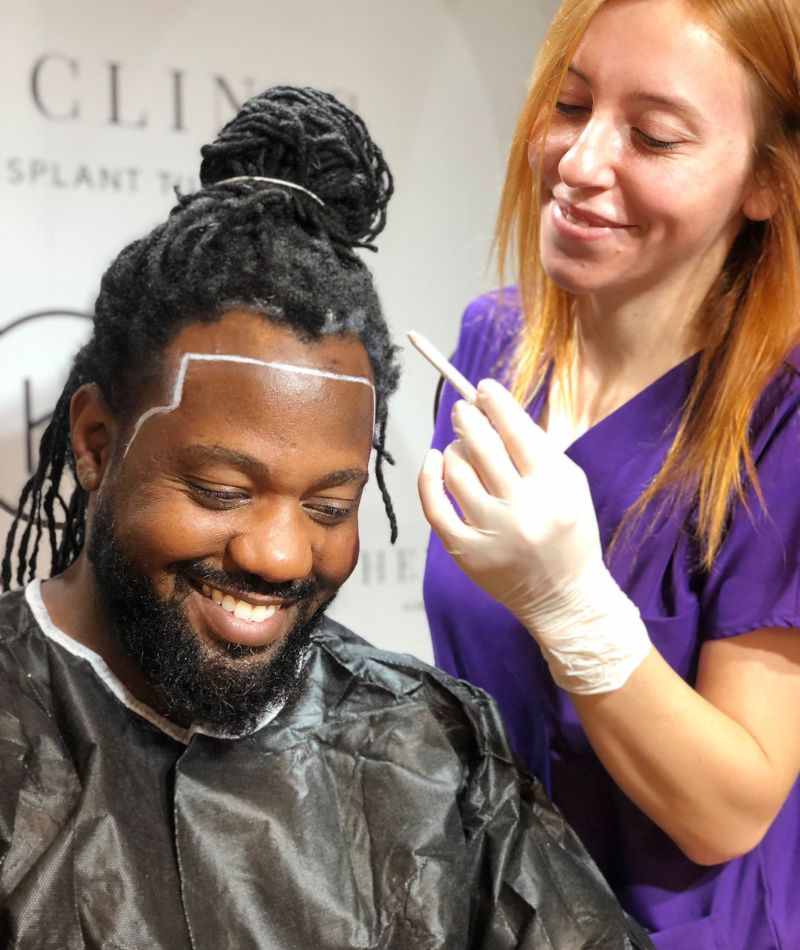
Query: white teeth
x,y
245,611
263,613
574,220
240,608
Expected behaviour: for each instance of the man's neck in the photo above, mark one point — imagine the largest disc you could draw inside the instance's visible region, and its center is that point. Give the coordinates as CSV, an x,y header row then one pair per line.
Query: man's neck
x,y
73,603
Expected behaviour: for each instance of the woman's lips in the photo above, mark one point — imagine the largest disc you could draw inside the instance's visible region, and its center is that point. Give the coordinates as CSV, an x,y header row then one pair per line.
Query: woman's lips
x,y
581,225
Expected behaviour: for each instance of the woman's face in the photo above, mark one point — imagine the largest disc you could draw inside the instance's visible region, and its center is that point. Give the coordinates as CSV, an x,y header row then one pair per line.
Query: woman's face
x,y
646,168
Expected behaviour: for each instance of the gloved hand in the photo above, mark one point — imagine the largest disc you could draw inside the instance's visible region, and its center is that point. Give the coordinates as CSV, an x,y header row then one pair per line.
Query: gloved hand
x,y
528,536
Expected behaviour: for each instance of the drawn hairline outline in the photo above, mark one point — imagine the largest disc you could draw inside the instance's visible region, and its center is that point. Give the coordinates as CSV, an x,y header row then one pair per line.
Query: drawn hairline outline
x,y
180,378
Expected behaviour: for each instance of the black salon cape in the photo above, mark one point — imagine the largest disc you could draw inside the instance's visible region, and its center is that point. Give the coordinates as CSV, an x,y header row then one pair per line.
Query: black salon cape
x,y
382,808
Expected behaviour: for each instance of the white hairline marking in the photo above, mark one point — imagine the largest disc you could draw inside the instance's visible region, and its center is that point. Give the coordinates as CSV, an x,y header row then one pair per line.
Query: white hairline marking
x,y
180,378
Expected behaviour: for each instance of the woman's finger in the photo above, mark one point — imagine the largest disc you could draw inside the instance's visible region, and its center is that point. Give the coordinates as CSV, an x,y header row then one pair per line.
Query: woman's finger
x,y
437,507
526,443
466,487
485,449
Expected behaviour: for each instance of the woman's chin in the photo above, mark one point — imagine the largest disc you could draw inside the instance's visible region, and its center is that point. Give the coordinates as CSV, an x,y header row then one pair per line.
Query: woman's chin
x,y
575,283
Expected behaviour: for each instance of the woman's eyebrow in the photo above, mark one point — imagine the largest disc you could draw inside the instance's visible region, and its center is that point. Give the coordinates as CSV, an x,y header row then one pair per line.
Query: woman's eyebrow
x,y
582,76
674,103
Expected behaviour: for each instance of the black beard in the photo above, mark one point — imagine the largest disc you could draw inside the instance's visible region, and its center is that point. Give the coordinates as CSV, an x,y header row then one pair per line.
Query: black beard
x,y
228,691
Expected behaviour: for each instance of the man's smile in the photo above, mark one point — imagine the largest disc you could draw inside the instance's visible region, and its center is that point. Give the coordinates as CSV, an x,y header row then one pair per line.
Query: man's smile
x,y
244,619
243,609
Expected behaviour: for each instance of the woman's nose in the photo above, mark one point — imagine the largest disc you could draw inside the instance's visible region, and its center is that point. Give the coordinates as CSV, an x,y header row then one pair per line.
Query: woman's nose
x,y
590,160
275,544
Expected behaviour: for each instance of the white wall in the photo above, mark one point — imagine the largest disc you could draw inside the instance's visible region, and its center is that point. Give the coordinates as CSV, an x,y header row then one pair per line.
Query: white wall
x,y
105,104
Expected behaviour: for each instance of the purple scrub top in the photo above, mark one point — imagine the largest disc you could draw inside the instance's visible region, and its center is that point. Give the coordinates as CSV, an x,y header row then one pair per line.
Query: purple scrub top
x,y
752,903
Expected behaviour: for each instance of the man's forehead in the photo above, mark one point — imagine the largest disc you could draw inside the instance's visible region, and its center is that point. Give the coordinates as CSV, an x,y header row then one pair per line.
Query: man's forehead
x,y
292,380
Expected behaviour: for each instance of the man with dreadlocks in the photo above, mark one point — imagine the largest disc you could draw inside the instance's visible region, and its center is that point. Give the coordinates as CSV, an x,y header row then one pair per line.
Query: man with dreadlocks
x,y
191,756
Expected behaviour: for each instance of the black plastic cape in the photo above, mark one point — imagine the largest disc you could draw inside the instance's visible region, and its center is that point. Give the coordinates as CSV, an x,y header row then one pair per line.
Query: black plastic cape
x,y
381,808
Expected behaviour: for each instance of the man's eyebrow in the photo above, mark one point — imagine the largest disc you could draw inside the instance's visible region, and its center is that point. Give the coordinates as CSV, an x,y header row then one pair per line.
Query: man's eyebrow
x,y
199,454
343,476
220,453
675,103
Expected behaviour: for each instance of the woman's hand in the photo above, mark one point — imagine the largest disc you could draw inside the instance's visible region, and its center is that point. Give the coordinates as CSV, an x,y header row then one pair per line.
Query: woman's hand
x,y
528,537
528,522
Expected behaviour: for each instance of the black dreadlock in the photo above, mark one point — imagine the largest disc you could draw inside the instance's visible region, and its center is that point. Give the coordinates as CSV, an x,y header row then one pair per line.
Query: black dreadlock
x,y
242,244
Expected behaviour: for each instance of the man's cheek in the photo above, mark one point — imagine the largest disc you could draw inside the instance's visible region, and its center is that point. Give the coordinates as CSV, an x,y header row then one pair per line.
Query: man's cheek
x,y
170,518
339,558
154,557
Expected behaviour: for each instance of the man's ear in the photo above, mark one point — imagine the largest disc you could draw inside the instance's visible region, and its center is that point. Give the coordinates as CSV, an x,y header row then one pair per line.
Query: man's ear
x,y
93,435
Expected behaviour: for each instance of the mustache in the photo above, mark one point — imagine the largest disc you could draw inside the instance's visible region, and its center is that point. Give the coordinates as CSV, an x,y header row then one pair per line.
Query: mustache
x,y
246,583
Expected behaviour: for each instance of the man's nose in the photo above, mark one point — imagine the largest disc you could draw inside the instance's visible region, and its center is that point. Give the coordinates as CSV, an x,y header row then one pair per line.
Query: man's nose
x,y
590,160
274,544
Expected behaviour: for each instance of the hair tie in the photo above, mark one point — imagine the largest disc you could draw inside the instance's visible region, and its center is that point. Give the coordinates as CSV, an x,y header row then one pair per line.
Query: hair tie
x,y
272,181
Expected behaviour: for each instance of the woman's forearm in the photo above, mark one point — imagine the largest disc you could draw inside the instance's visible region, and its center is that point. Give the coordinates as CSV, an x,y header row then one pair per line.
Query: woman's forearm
x,y
710,782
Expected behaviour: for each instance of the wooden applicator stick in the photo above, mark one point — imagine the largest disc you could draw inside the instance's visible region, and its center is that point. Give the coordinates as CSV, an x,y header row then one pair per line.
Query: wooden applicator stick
x,y
459,382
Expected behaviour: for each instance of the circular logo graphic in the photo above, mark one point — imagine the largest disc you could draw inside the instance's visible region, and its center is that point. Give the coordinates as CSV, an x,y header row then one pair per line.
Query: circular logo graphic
x,y
36,351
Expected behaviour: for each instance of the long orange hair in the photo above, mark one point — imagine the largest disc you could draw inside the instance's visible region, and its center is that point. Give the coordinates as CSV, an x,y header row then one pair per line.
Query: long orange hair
x,y
750,319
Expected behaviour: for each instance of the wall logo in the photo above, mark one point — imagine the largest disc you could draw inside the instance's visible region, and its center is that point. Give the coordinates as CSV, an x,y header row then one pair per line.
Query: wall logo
x,y
36,350
65,88
120,98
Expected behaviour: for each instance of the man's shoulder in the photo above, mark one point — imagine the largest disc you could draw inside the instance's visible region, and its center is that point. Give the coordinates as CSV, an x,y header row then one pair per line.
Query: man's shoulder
x,y
26,710
398,673
24,647
16,620
394,681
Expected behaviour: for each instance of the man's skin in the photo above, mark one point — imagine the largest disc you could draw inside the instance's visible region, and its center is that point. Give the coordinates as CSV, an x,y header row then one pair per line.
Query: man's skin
x,y
257,472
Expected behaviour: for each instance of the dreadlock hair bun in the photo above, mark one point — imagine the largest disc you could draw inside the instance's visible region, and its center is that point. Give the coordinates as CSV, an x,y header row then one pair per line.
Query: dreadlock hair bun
x,y
309,138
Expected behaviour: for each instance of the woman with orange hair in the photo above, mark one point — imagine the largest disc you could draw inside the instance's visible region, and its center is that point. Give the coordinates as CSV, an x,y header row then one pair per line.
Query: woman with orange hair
x,y
639,520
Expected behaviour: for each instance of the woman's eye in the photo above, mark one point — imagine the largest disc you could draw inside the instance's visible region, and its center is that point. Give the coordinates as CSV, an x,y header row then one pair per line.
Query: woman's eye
x,y
570,110
662,145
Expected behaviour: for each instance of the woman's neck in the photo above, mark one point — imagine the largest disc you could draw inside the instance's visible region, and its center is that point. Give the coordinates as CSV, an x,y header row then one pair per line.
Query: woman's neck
x,y
620,347
632,344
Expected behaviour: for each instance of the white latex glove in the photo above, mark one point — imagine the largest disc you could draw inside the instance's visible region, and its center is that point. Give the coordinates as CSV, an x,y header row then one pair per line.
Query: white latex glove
x,y
528,536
